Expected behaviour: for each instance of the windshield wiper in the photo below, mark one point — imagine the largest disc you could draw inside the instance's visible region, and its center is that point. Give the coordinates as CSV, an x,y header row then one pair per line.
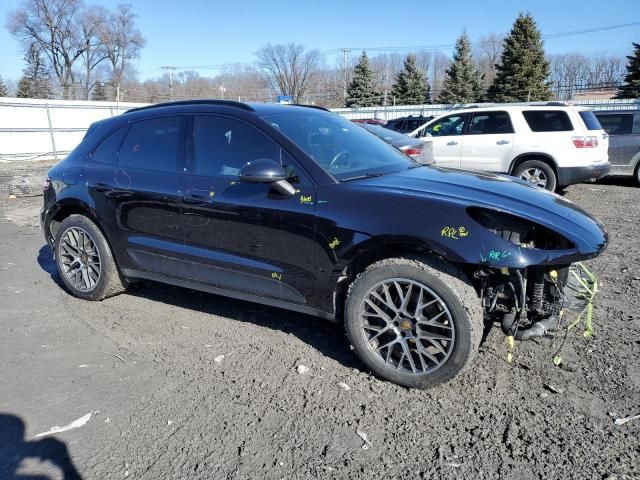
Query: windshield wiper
x,y
360,177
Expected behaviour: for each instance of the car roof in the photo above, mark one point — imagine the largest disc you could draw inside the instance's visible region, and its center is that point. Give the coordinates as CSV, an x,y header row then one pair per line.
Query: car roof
x,y
204,104
602,112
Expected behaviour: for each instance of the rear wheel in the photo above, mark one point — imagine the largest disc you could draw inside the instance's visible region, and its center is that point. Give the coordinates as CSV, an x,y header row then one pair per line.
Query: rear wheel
x,y
416,322
84,260
538,173
637,175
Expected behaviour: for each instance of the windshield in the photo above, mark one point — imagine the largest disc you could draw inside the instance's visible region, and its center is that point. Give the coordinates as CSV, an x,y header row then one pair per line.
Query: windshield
x,y
340,147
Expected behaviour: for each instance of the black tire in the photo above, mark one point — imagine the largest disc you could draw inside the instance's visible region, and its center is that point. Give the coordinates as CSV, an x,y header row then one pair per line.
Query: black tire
x,y
456,294
636,175
107,282
551,180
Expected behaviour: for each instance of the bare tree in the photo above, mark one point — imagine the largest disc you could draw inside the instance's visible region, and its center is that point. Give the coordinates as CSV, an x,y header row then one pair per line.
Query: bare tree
x,y
439,64
487,53
122,42
94,53
574,72
51,25
289,70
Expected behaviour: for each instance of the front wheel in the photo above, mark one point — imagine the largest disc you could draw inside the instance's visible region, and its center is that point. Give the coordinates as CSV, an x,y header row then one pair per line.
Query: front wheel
x,y
416,322
538,173
84,260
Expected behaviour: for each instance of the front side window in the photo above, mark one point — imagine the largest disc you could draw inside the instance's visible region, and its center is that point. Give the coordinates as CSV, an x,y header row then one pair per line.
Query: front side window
x,y
342,148
547,120
616,123
152,144
223,145
448,126
489,123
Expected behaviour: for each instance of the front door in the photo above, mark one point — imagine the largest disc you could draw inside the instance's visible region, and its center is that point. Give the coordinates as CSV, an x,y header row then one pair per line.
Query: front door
x,y
488,142
446,135
245,237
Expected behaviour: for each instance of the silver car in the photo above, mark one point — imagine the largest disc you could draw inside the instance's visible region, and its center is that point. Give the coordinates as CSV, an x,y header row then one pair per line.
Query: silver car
x,y
623,127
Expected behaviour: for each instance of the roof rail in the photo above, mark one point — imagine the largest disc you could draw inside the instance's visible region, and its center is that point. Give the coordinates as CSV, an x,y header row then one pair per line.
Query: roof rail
x,y
317,107
224,103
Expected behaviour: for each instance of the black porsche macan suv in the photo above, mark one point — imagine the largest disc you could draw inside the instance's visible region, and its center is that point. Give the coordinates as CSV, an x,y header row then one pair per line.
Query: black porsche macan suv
x,y
299,208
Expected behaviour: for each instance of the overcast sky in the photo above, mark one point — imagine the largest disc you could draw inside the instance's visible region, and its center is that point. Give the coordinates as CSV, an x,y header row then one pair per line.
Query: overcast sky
x,y
200,32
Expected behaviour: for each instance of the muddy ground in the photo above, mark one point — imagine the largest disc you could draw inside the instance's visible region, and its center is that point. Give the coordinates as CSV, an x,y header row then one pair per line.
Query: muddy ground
x,y
143,364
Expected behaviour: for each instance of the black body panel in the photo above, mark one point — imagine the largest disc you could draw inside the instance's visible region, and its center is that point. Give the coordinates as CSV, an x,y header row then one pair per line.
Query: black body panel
x,y
248,241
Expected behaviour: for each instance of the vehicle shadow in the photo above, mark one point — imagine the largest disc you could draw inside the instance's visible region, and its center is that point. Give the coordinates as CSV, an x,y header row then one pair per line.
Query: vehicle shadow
x,y
48,264
619,180
14,448
327,337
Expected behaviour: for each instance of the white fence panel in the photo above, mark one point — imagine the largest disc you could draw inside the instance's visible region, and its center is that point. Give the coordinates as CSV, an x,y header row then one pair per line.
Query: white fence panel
x,y
29,129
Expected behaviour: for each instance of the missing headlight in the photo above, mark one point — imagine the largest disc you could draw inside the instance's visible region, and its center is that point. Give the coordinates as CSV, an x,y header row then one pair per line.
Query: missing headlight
x,y
519,231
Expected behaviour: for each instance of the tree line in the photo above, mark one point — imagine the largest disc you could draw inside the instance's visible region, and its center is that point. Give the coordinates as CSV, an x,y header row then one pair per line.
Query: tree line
x,y
73,51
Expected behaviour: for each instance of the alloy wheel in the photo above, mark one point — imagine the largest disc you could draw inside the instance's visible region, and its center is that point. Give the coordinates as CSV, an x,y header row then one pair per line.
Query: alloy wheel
x,y
80,259
535,176
407,325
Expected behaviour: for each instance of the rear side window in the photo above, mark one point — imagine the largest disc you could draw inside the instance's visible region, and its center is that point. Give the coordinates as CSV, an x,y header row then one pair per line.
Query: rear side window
x,y
223,145
107,150
616,123
152,144
590,120
488,123
547,120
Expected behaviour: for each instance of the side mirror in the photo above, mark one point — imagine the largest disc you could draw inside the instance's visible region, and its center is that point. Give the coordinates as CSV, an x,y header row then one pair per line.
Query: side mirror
x,y
265,170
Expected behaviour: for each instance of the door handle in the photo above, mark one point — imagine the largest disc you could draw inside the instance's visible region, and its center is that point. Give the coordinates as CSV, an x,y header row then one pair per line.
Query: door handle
x,y
502,142
452,143
100,187
196,199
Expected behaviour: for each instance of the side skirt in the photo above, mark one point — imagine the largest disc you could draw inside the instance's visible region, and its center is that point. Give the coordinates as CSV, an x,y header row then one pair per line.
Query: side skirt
x,y
229,293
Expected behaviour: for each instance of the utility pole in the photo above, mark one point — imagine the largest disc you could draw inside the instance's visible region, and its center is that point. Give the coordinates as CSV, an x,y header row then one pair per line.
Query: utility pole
x,y
344,56
170,69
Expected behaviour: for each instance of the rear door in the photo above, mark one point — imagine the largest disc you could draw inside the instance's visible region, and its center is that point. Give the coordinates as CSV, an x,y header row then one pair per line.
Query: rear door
x,y
139,190
446,135
488,143
245,237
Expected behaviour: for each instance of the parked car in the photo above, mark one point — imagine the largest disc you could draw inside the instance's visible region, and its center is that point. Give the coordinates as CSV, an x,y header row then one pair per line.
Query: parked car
x,y
550,145
421,150
299,208
407,124
370,121
623,128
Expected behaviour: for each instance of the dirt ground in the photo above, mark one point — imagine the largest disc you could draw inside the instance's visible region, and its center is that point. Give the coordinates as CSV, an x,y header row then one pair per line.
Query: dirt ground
x,y
163,402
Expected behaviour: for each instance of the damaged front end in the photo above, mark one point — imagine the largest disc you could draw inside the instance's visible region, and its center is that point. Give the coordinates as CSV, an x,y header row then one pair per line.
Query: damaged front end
x,y
534,300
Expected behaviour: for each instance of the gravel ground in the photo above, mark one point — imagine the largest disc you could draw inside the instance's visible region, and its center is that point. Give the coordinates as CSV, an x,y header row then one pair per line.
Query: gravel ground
x,y
181,384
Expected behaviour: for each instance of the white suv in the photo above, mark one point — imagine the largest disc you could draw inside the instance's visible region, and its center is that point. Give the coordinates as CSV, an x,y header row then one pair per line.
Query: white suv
x,y
551,145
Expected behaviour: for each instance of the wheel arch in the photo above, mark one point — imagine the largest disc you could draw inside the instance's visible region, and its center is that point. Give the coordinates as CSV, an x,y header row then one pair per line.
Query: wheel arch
x,y
64,209
380,248
543,157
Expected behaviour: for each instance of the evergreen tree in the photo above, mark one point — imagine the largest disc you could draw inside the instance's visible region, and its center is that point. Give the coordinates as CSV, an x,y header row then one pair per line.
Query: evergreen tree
x,y
411,87
631,87
462,82
4,91
523,71
99,92
36,80
362,91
